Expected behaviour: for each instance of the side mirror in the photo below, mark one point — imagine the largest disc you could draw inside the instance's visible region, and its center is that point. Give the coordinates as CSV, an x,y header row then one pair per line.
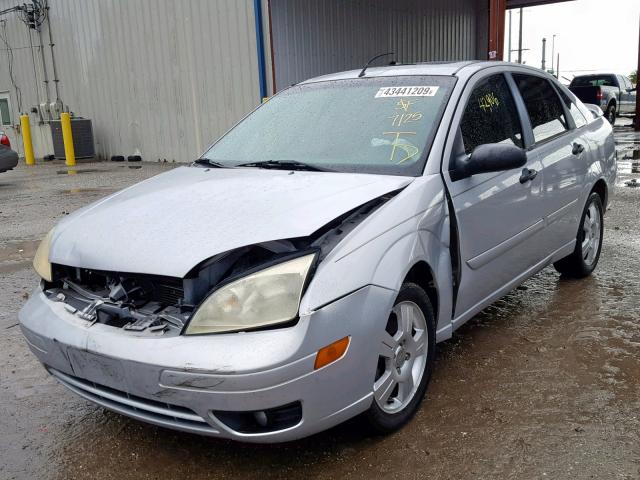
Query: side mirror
x,y
492,157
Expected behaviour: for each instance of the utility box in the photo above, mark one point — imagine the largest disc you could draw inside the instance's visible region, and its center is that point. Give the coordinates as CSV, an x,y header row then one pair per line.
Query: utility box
x,y
82,131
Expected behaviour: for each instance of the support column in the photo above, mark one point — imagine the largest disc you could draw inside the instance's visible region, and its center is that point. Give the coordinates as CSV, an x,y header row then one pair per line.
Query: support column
x,y
497,9
637,117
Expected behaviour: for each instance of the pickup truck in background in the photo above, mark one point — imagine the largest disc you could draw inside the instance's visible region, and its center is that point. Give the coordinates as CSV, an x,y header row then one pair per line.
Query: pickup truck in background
x,y
614,94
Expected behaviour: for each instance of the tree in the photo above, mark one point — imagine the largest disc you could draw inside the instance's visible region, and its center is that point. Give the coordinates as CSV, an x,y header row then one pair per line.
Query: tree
x,y
634,77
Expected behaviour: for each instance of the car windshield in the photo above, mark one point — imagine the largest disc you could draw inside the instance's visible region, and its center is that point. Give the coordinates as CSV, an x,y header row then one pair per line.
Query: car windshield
x,y
381,125
593,81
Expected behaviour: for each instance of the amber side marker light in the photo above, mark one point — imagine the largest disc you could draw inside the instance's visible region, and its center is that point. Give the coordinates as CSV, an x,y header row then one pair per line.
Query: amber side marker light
x,y
331,352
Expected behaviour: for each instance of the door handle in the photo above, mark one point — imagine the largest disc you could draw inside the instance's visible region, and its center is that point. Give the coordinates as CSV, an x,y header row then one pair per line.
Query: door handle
x,y
577,149
528,174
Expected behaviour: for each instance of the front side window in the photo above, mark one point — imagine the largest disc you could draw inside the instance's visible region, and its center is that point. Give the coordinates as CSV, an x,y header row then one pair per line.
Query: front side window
x,y
543,105
491,115
382,125
623,82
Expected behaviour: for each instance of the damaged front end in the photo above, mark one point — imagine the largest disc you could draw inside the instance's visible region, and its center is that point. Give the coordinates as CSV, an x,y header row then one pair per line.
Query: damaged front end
x,y
152,305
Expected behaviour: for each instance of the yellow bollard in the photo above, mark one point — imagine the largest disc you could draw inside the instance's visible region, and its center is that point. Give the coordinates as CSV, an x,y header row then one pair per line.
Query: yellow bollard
x,y
67,138
25,128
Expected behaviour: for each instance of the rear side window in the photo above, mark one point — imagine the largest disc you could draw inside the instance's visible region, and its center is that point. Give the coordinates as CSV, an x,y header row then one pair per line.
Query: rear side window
x,y
490,115
575,113
543,105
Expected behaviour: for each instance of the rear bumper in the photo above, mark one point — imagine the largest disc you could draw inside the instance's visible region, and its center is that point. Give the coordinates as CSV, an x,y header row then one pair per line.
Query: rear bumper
x,y
181,382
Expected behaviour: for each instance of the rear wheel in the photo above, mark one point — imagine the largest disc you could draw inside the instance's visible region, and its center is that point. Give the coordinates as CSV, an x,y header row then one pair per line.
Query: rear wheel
x,y
611,113
585,256
405,361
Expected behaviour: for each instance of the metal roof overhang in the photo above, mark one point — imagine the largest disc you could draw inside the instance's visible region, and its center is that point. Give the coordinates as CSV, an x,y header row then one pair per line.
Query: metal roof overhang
x,y
531,3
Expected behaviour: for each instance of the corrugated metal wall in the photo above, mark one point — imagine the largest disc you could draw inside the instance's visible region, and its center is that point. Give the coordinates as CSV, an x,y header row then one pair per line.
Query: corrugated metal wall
x,y
162,78
313,37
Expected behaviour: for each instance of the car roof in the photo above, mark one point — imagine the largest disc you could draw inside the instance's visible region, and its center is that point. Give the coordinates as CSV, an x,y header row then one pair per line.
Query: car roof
x,y
459,69
600,74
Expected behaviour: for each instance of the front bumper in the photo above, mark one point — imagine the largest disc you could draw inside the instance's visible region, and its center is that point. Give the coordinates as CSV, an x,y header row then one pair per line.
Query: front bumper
x,y
179,382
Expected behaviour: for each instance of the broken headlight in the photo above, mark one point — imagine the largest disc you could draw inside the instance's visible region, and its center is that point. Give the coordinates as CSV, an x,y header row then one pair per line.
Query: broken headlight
x,y
41,259
267,297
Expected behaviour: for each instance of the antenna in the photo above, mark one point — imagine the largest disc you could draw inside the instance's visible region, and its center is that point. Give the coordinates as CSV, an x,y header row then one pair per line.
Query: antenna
x,y
364,69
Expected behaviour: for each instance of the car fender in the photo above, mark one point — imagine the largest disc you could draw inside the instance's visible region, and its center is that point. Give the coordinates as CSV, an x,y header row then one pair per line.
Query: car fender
x,y
603,165
410,228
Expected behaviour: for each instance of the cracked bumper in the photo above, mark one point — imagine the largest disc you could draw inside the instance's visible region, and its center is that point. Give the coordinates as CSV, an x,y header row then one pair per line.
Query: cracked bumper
x,y
177,382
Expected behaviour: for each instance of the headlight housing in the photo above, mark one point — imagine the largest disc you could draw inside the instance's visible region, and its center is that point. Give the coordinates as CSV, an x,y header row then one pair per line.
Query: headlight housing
x,y
267,297
41,259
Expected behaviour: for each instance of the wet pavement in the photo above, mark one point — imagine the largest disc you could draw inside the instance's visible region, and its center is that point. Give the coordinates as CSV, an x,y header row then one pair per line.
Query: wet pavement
x,y
543,384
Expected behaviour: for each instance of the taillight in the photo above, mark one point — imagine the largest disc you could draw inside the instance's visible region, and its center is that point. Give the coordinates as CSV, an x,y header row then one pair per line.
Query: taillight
x,y
599,95
4,140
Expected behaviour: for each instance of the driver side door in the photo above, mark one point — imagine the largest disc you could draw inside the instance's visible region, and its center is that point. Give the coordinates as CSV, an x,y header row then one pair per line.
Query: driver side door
x,y
499,217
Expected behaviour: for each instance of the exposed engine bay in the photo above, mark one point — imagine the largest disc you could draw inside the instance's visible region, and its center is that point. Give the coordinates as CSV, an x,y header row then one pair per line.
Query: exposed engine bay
x,y
145,304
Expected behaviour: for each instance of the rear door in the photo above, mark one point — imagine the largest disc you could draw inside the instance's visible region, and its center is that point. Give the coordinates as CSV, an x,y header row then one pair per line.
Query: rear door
x,y
499,219
563,152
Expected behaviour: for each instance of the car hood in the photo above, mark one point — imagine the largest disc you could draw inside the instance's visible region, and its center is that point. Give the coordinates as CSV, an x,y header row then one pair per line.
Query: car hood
x,y
168,224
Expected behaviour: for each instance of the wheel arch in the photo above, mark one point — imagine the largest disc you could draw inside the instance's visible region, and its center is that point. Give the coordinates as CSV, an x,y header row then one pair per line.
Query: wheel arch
x,y
422,275
600,187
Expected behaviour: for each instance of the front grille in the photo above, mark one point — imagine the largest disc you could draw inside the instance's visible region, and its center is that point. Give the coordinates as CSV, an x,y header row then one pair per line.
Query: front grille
x,y
138,287
152,411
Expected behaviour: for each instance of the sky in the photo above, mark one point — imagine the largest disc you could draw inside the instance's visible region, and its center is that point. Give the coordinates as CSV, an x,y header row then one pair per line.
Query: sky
x,y
591,35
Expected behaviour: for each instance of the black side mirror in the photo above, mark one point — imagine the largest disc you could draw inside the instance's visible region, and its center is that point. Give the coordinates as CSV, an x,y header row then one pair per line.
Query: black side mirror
x,y
492,157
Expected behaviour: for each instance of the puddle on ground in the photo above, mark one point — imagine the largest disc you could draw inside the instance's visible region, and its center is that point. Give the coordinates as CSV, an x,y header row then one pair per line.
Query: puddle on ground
x,y
18,251
74,191
77,172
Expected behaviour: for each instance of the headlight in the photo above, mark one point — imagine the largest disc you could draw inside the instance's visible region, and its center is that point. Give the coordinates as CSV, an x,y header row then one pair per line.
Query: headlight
x,y
267,297
41,259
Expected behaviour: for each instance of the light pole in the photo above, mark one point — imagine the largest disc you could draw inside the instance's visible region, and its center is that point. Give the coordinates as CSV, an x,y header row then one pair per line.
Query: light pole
x,y
553,51
509,54
520,39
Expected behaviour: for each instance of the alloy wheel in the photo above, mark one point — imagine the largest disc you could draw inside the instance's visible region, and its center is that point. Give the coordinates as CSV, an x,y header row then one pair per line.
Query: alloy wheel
x,y
591,228
402,358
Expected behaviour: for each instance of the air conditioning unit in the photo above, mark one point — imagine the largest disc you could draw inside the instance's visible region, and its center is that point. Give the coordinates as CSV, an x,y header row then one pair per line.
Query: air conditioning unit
x,y
82,131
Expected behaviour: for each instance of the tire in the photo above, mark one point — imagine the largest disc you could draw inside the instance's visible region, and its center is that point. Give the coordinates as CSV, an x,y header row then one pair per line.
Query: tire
x,y
585,256
610,114
405,363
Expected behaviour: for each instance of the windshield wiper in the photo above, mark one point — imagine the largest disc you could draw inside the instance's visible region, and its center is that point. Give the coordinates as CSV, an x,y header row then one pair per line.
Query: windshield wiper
x,y
284,165
210,163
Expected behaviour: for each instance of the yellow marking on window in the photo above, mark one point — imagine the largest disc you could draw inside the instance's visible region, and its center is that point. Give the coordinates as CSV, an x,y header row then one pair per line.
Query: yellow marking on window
x,y
410,150
488,102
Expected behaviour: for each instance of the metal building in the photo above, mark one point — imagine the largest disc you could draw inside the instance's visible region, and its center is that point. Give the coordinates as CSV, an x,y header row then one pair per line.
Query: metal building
x,y
163,78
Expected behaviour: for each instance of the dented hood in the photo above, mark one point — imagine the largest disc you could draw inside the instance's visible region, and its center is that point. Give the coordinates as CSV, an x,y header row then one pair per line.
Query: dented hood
x,y
168,224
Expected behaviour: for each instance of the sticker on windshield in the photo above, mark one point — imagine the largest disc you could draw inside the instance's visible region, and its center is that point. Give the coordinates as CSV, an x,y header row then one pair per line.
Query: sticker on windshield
x,y
411,91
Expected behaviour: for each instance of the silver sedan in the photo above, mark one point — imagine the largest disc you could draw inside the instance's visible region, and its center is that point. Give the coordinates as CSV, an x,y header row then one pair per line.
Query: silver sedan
x,y
302,271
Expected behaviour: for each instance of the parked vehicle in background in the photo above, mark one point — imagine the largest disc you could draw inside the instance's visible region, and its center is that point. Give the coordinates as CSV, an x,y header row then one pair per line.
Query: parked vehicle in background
x,y
301,272
8,158
614,94
4,140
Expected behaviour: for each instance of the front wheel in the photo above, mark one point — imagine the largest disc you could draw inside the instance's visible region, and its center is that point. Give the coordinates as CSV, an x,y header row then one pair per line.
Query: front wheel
x,y
405,361
585,256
